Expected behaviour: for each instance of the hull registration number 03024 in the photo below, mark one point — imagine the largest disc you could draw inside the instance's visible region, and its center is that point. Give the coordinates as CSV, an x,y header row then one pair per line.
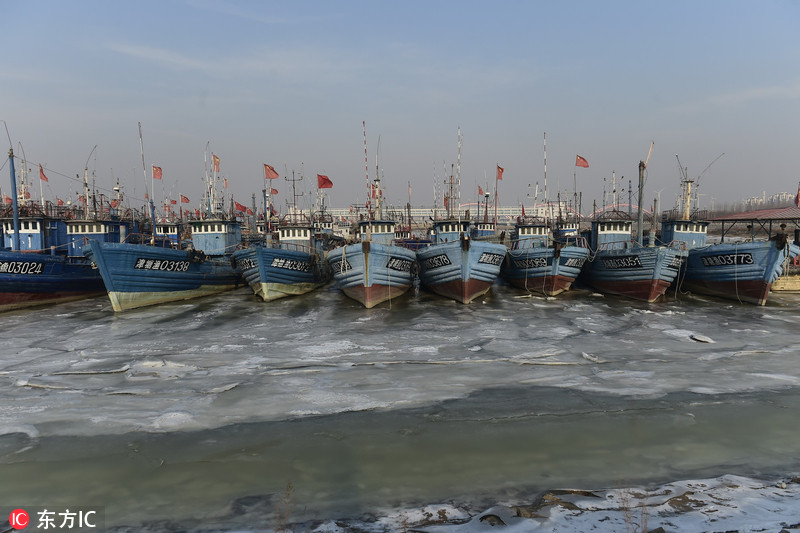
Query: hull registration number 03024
x,y
21,267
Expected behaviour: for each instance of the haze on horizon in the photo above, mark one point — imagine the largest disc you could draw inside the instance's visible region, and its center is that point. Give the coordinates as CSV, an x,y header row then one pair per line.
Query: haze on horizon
x,y
289,84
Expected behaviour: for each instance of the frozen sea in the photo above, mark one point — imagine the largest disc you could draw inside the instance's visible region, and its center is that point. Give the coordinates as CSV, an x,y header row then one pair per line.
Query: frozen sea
x,y
576,413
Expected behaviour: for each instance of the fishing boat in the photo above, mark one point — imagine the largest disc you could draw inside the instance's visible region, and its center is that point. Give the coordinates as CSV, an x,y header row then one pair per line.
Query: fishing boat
x,y
139,275
743,271
374,269
622,266
538,262
292,262
543,257
154,272
455,265
42,261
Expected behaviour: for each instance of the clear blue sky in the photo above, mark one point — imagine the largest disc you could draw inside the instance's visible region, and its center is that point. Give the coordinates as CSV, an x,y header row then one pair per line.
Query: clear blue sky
x,y
289,84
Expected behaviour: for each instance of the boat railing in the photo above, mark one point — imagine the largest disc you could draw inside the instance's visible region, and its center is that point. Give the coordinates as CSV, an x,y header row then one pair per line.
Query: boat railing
x,y
578,241
533,242
617,245
146,239
543,242
296,247
497,238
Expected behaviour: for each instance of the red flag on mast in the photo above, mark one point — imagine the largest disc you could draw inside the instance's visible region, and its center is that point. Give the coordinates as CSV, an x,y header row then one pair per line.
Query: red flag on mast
x,y
156,172
270,173
41,174
323,182
480,191
500,172
240,207
215,162
184,199
581,162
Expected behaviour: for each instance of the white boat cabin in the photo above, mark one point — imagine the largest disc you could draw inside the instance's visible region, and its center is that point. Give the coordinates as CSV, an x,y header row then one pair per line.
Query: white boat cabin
x,y
449,230
216,236
380,231
483,229
530,235
691,232
611,234
170,230
293,237
35,233
80,232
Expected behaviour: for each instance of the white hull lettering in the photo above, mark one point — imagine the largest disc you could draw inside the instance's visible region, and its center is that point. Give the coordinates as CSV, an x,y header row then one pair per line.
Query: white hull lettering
x,y
401,265
532,262
675,262
628,261
436,261
291,264
21,267
343,265
727,259
491,259
246,263
162,265
575,262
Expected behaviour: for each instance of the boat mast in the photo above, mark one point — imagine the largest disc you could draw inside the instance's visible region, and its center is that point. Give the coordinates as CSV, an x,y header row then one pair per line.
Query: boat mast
x,y
209,186
546,197
451,196
366,170
14,203
642,167
294,195
86,178
458,166
144,171
377,191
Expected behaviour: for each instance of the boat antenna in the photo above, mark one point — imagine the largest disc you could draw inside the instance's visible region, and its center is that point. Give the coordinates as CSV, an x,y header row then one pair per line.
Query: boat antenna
x,y
377,191
366,167
697,179
14,203
144,172
86,177
458,165
642,168
546,197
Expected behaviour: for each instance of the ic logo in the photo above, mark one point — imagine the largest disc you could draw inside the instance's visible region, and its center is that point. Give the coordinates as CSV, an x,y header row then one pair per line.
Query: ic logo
x,y
18,519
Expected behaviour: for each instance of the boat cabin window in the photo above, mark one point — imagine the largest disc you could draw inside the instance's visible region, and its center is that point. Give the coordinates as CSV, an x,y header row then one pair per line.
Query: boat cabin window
x,y
614,227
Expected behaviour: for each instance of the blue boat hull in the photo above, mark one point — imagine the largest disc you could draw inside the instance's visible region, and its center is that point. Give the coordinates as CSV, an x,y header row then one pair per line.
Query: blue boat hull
x,y
462,269
544,270
742,271
642,273
28,279
137,275
275,273
372,273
